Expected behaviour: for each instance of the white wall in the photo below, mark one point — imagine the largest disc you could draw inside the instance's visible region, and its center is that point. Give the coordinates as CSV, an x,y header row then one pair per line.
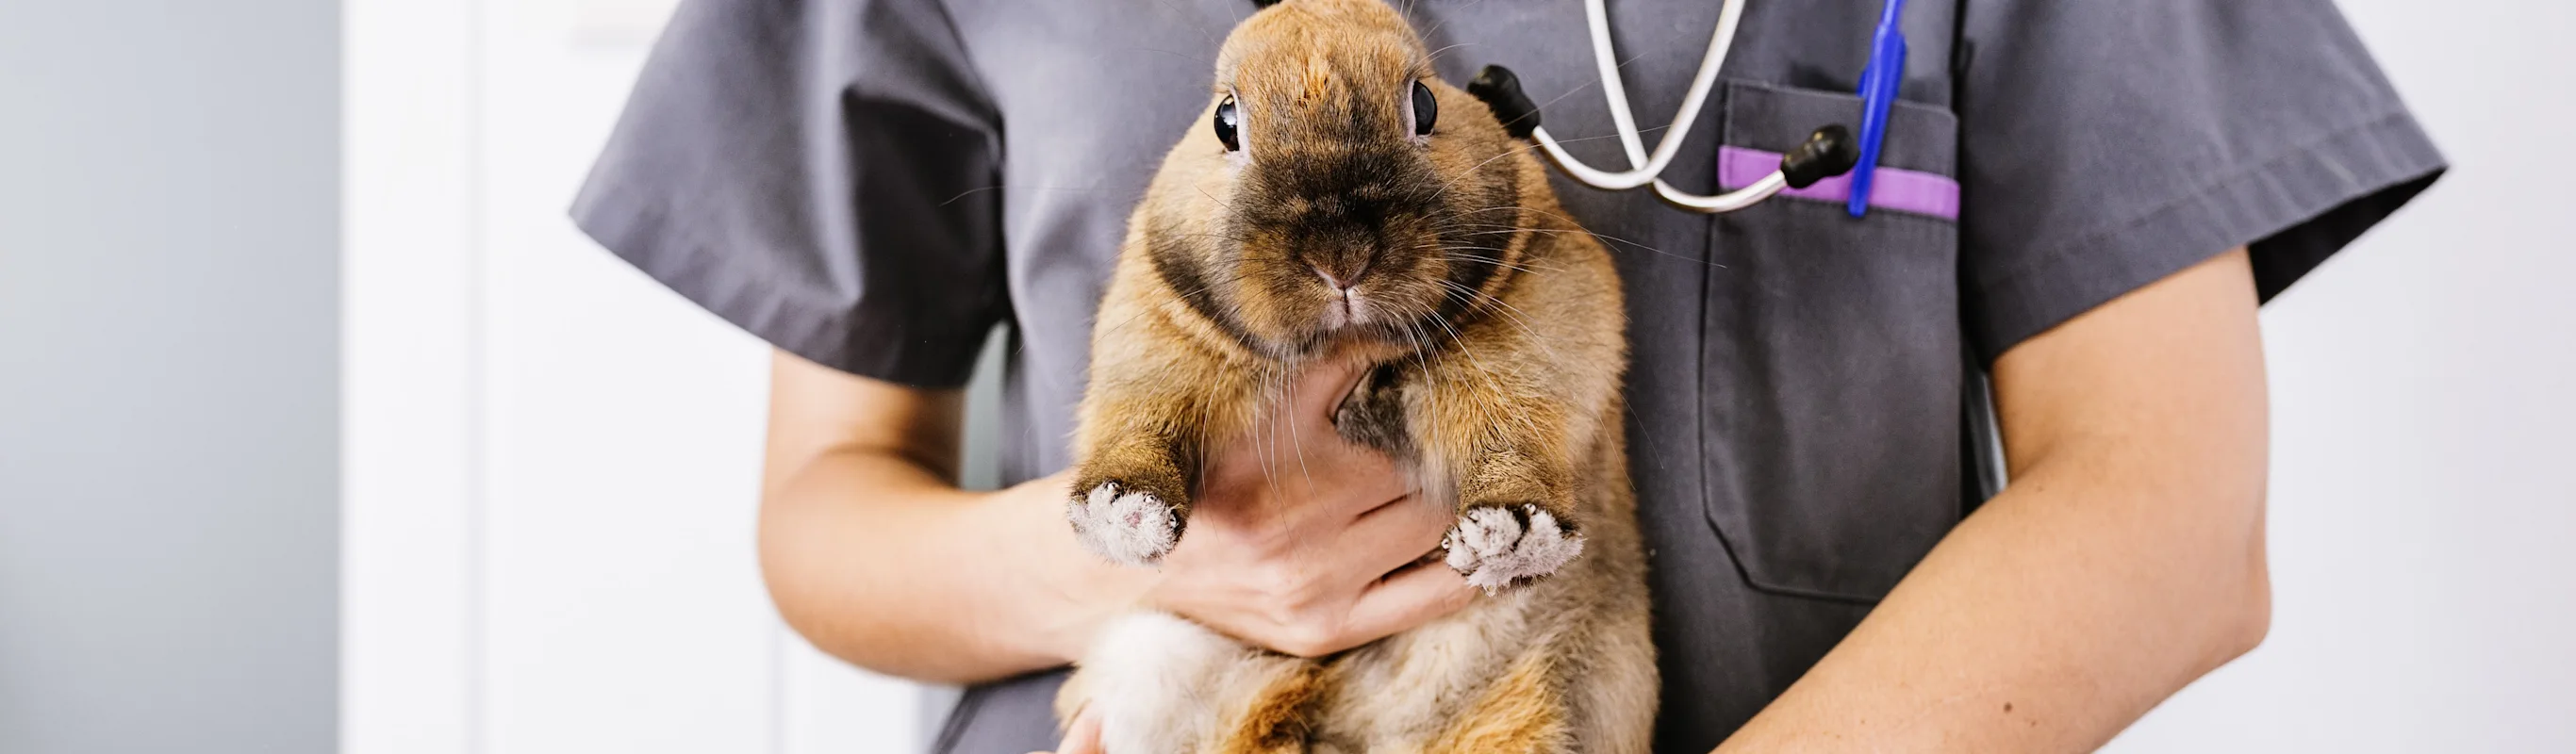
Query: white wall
x,y
551,459
2423,391
167,377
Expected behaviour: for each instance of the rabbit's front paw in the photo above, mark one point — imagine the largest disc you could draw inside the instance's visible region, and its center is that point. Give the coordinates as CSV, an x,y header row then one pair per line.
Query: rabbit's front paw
x,y
1497,546
1124,524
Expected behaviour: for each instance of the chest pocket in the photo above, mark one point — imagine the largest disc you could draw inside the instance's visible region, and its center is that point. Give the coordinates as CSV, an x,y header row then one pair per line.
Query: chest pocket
x,y
1831,382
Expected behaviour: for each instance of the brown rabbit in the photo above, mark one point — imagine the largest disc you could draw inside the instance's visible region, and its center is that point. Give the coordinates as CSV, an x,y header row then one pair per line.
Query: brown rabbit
x,y
1330,211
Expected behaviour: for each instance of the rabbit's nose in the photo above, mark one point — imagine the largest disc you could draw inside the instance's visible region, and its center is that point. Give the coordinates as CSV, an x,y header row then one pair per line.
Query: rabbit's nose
x,y
1330,279
1342,277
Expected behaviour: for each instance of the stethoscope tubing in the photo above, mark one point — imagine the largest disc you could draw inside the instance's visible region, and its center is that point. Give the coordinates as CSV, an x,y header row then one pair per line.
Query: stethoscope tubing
x,y
1645,168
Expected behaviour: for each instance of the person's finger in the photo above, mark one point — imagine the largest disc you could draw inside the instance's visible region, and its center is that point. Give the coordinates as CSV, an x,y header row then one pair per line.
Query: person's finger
x,y
1394,534
1082,737
1410,597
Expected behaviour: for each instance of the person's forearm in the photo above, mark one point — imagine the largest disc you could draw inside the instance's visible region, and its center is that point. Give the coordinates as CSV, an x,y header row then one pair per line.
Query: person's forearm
x,y
887,565
2045,623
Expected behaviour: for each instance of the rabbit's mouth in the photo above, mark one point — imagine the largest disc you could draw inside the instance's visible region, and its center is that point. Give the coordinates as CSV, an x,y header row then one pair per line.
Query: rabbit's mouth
x,y
1348,308
1356,317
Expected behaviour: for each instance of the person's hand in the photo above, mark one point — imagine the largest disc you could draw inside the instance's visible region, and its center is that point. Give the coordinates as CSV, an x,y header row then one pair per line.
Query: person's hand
x,y
1305,544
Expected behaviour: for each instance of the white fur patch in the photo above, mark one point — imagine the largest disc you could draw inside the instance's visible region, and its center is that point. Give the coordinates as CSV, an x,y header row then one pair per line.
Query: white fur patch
x,y
1491,547
1150,677
1135,528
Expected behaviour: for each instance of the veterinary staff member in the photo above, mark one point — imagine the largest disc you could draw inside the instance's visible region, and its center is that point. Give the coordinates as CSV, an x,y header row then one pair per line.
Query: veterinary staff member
x,y
2095,196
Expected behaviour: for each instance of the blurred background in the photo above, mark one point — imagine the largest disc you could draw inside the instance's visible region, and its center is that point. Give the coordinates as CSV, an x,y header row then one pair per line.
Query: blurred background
x,y
321,428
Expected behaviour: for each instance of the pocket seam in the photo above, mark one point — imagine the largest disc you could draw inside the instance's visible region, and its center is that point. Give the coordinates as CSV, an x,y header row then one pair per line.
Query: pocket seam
x,y
1945,123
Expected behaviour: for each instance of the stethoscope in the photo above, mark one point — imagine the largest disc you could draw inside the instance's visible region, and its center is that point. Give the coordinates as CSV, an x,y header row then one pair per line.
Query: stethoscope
x,y
1828,152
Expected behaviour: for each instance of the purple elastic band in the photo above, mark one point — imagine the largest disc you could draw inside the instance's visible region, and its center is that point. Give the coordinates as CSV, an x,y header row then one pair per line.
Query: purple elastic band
x,y
1911,191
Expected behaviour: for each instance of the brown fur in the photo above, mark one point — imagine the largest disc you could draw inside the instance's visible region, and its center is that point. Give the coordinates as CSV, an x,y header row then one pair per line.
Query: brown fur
x,y
1522,713
1495,332
1280,717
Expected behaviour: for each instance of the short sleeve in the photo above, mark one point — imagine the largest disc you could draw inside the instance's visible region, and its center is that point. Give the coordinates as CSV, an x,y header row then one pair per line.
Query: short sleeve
x,y
2105,145
817,172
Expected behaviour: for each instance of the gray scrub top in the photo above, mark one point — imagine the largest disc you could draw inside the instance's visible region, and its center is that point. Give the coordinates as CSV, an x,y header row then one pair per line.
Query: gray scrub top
x,y
875,184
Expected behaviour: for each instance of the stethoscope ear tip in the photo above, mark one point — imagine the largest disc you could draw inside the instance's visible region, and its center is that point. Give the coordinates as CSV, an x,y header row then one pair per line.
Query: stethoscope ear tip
x,y
1829,152
1502,91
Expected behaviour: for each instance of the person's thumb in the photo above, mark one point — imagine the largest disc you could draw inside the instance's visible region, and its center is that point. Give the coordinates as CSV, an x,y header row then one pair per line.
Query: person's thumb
x,y
1317,391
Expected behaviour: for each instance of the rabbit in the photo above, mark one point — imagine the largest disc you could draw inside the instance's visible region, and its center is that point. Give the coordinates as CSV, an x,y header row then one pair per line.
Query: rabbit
x,y
1339,201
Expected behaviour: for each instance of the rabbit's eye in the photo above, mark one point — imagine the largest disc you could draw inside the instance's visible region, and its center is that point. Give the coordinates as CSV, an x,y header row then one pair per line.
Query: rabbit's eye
x,y
1426,109
1226,122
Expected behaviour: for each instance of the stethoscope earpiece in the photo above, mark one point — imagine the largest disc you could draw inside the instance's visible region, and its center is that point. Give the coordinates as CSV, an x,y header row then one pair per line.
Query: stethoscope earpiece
x,y
1829,152
1502,91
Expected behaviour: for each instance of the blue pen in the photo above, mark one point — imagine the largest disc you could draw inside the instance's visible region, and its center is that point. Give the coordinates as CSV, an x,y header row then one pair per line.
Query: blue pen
x,y
1877,91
